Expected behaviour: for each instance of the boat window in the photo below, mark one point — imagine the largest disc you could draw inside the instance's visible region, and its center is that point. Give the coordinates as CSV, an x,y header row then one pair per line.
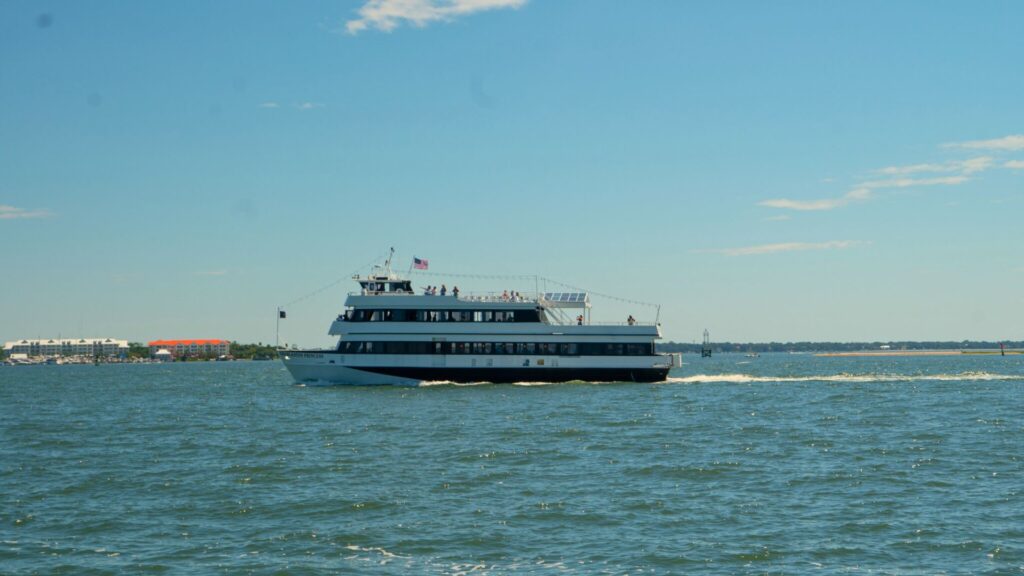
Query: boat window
x,y
524,348
525,316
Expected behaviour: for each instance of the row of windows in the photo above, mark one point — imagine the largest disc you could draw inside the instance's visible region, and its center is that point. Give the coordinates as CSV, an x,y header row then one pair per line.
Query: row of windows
x,y
363,315
523,348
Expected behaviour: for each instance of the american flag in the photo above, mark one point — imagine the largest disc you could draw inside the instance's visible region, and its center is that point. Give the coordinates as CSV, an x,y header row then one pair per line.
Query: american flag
x,y
420,263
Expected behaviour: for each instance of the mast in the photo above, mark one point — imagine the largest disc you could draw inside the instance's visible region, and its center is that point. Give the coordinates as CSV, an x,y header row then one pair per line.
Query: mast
x,y
387,265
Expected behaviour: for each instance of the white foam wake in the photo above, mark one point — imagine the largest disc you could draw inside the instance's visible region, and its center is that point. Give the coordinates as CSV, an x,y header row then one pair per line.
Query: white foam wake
x,y
851,378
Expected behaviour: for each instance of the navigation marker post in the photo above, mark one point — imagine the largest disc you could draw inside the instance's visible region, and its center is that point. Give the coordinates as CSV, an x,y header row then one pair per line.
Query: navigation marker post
x,y
277,329
705,348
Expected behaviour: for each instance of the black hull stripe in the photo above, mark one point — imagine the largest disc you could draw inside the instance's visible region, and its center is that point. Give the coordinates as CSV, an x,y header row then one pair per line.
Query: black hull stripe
x,y
509,375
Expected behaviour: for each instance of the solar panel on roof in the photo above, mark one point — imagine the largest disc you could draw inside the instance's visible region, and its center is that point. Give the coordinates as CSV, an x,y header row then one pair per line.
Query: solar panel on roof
x,y
565,296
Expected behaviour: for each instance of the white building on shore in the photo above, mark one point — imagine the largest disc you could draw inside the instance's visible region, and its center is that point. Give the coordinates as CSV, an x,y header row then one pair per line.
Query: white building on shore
x,y
68,347
195,348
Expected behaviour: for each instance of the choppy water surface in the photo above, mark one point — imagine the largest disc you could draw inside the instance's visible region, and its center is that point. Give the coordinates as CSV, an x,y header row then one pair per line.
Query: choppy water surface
x,y
777,464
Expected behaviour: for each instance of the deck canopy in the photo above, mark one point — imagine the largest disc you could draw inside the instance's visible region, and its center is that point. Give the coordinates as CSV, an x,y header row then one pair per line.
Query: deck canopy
x,y
566,300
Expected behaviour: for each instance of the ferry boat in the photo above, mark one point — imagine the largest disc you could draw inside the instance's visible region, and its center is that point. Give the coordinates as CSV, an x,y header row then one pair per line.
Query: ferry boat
x,y
388,334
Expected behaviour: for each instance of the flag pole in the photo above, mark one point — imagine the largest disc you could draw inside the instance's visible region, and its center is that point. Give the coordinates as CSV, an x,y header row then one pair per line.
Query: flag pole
x,y
277,329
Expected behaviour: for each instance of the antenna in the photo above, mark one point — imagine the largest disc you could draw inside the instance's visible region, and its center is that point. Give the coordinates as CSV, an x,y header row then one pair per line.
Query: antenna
x,y
387,265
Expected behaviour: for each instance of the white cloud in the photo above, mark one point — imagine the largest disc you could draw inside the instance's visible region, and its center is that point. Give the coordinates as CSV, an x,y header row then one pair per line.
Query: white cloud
x,y
779,218
964,166
13,213
1012,142
270,105
959,171
308,105
908,182
386,15
856,195
786,247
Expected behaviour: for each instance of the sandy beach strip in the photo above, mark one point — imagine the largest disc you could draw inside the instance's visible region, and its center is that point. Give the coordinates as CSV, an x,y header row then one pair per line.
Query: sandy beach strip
x,y
917,352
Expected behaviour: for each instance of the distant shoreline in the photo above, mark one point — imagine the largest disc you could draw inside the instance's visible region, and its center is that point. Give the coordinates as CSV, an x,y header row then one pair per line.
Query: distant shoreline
x,y
920,353
891,346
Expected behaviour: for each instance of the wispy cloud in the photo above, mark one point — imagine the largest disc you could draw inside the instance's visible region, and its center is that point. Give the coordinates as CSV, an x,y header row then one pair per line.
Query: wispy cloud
x,y
909,182
778,218
386,15
1012,142
963,166
904,176
857,195
303,106
14,213
786,247
863,190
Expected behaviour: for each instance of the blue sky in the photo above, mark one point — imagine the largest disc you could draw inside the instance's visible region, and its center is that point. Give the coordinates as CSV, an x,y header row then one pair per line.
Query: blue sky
x,y
766,170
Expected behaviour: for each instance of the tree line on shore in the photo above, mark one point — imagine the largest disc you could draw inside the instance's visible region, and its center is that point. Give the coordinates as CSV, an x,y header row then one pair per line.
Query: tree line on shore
x,y
759,347
238,351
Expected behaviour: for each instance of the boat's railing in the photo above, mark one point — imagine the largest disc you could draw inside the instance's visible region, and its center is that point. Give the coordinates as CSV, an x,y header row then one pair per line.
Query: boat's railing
x,y
469,297
637,323
588,323
498,297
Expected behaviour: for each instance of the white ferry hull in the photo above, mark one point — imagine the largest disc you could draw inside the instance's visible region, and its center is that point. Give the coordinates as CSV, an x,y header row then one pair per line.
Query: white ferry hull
x,y
308,373
328,367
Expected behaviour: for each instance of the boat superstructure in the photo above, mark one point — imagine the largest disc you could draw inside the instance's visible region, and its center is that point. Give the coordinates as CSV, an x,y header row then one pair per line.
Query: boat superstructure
x,y
388,334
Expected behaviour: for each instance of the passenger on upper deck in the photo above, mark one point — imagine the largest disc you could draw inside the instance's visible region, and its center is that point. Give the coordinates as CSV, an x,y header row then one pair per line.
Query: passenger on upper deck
x,y
504,296
444,289
631,321
455,291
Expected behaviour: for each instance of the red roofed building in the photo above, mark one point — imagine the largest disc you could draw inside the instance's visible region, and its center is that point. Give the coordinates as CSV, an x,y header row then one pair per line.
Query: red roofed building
x,y
191,348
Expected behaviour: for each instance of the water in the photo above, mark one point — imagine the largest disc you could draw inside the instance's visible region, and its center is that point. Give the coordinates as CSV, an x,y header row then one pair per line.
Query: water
x,y
778,464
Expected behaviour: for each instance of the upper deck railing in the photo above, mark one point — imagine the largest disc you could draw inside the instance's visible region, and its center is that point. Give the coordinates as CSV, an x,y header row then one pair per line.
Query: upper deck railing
x,y
492,297
556,310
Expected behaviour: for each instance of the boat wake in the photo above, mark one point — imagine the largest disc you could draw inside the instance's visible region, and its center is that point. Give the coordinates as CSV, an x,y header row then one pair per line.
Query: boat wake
x,y
844,378
736,379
